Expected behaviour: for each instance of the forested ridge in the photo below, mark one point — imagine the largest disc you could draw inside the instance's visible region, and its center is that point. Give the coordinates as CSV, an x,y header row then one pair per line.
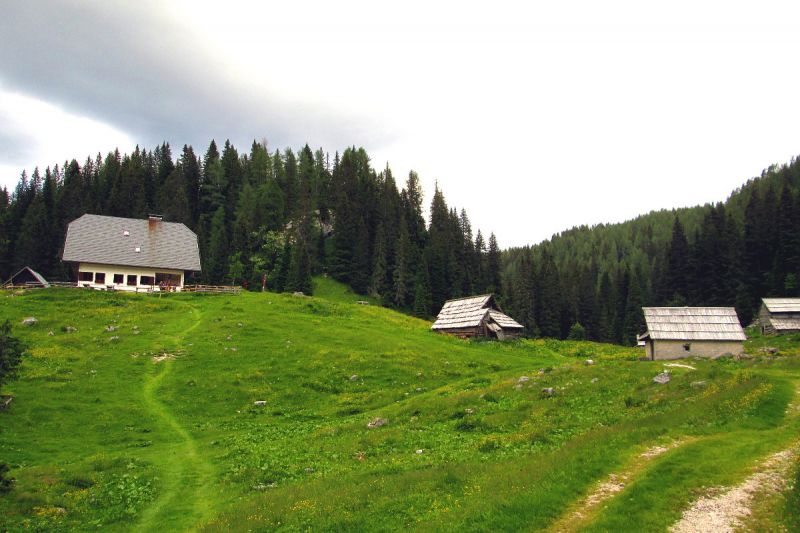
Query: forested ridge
x,y
283,215
289,215
593,281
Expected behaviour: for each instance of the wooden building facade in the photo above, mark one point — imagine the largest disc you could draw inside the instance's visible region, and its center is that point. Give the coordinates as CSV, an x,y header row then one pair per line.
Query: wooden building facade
x,y
476,316
677,332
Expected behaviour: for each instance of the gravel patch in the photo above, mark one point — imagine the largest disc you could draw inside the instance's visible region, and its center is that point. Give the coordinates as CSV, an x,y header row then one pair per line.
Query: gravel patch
x,y
722,511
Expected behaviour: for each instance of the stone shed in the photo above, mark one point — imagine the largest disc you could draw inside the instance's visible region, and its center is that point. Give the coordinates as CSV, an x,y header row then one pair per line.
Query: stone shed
x,y
676,332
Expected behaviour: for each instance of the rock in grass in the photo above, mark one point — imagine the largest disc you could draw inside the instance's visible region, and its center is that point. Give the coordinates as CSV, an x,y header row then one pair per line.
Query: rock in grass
x,y
698,384
30,321
109,329
548,391
115,338
377,422
50,333
662,378
354,377
589,362
595,380
523,379
260,403
69,329
420,452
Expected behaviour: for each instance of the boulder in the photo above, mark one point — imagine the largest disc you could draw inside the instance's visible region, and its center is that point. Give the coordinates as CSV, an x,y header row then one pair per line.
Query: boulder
x,y
29,321
548,391
260,403
662,378
377,422
70,329
420,451
589,362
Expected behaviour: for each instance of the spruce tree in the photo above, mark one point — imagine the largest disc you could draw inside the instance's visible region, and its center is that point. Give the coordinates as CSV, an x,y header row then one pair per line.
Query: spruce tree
x,y
422,292
216,258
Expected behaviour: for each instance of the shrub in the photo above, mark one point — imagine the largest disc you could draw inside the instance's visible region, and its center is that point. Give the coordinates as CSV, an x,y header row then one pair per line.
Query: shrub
x,y
577,332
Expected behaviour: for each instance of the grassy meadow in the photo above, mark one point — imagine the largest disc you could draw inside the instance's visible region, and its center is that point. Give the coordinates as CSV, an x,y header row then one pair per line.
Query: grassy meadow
x,y
145,419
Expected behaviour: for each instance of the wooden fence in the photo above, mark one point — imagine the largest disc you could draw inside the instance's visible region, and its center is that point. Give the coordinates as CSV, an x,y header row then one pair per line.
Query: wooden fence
x,y
213,289
204,289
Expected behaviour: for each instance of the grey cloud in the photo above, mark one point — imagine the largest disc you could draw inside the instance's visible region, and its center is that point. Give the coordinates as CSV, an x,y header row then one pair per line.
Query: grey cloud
x,y
125,65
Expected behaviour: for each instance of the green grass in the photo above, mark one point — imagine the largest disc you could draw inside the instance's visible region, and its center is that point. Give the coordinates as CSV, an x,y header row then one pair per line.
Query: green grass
x,y
102,437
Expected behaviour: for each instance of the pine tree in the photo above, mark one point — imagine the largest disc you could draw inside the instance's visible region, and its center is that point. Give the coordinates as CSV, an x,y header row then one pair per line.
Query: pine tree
x,y
192,178
422,292
401,277
676,276
548,297
493,265
216,258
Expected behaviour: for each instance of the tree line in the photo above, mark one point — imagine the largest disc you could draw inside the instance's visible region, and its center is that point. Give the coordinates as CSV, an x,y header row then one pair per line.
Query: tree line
x,y
282,216
595,280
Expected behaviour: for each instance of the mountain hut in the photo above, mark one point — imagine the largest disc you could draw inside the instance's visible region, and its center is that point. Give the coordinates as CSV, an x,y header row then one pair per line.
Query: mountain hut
x,y
476,316
676,332
779,315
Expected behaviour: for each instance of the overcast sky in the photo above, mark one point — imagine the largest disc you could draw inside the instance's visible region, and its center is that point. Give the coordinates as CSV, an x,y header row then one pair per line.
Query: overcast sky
x,y
535,118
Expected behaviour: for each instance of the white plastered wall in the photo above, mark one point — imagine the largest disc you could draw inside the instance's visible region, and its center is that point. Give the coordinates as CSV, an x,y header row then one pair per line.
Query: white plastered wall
x,y
110,270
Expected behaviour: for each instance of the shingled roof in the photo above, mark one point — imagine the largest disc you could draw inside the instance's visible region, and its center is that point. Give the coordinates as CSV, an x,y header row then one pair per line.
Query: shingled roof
x,y
115,241
782,305
470,312
692,323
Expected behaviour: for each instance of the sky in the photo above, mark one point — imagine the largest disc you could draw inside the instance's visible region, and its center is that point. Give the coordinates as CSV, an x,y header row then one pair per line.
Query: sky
x,y
533,116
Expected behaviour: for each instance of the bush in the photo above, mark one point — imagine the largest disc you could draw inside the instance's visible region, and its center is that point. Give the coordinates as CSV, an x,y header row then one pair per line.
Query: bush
x,y
11,352
577,332
5,481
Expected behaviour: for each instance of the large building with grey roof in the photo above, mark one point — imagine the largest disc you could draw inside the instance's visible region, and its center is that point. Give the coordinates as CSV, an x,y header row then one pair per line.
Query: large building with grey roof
x,y
130,254
476,316
676,332
779,315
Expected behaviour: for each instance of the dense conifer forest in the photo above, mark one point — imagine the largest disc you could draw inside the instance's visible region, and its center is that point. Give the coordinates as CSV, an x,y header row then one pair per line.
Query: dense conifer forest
x,y
731,253
283,215
289,216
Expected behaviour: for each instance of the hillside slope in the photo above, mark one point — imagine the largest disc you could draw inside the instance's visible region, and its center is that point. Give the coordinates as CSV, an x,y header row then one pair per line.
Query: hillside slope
x,y
154,425
731,253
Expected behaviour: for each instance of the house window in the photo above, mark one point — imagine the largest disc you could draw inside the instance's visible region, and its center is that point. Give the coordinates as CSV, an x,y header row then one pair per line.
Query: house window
x,y
119,279
148,280
100,277
85,276
132,279
687,347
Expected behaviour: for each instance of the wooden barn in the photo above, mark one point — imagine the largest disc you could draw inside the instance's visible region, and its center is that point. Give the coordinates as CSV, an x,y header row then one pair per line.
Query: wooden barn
x,y
779,315
476,316
676,332
26,277
130,254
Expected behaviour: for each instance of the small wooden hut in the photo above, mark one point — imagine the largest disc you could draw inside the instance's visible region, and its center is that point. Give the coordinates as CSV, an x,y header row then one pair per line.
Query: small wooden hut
x,y
779,315
676,332
26,277
476,316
